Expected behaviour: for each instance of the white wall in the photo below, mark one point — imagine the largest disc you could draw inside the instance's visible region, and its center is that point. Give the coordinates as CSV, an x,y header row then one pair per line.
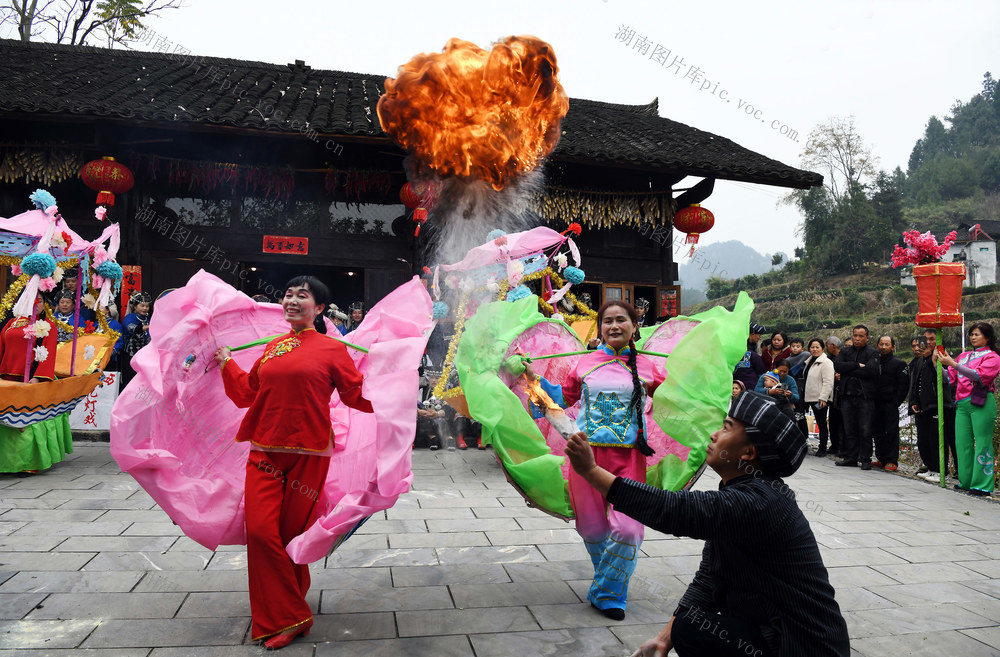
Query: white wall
x,y
981,267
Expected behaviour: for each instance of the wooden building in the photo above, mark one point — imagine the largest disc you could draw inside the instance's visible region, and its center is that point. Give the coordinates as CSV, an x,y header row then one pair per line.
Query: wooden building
x,y
257,171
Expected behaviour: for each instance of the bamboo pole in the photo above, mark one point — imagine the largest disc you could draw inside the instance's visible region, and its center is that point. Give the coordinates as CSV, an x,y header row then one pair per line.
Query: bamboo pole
x,y
942,458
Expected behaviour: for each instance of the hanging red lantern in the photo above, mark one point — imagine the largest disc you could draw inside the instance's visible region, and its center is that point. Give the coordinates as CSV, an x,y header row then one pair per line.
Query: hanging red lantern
x,y
939,293
693,220
419,196
107,178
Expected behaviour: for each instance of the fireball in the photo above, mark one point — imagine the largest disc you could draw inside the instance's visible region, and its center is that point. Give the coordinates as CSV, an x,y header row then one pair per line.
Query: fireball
x,y
477,114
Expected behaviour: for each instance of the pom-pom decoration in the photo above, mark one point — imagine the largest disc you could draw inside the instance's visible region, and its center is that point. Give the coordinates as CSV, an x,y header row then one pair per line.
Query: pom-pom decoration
x,y
38,264
99,212
561,261
88,352
57,275
42,199
41,353
441,309
40,329
518,293
574,275
573,228
495,234
109,269
514,364
16,270
46,284
89,327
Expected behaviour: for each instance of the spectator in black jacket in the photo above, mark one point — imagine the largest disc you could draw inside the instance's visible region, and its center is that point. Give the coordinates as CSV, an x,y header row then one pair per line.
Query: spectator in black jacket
x,y
914,367
761,589
858,367
833,347
923,404
890,391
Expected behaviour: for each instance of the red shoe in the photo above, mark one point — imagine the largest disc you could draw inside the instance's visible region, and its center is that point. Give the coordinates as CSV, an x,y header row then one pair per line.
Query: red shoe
x,y
479,443
460,441
890,467
878,464
279,641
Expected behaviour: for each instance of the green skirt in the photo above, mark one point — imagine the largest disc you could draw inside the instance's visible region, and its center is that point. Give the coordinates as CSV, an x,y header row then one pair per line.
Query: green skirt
x,y
36,447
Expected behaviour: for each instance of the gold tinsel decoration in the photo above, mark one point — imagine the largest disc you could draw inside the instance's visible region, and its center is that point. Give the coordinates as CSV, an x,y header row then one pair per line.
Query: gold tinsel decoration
x,y
504,286
10,298
42,164
602,209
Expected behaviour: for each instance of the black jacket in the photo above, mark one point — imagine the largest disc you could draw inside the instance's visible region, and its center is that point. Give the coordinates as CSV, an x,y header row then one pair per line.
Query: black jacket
x,y
893,383
760,563
857,381
923,387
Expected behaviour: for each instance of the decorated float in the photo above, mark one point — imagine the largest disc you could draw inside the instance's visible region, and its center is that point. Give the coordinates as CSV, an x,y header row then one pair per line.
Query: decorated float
x,y
40,247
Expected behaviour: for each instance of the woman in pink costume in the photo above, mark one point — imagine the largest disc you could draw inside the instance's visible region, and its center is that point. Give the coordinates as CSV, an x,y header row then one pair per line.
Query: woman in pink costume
x,y
973,374
612,384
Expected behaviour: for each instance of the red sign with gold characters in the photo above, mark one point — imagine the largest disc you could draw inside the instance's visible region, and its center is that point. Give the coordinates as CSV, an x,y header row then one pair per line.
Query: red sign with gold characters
x,y
285,244
131,282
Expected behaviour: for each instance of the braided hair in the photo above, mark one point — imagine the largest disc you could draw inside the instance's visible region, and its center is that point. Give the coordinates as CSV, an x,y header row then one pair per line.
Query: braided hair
x,y
636,404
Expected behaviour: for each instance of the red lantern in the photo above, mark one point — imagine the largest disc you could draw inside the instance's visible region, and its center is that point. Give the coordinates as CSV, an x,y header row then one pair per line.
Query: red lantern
x,y
693,220
419,197
939,294
108,178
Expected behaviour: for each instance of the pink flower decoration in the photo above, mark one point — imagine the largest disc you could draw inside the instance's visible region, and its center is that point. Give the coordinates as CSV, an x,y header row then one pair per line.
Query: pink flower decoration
x,y
15,270
46,284
99,212
100,255
923,248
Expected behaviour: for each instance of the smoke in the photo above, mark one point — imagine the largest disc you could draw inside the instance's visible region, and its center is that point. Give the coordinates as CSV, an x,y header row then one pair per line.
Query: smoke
x,y
467,210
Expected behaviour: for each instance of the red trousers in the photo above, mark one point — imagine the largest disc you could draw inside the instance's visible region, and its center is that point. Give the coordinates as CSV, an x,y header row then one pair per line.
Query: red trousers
x,y
281,502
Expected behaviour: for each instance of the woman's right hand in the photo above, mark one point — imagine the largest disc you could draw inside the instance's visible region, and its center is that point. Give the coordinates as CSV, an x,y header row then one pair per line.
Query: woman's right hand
x,y
221,354
822,403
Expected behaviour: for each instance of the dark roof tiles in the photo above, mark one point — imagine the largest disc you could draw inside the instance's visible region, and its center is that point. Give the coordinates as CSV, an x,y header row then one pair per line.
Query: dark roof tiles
x,y
149,86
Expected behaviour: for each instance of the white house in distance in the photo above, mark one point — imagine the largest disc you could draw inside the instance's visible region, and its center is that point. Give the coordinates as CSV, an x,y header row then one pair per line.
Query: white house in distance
x,y
976,246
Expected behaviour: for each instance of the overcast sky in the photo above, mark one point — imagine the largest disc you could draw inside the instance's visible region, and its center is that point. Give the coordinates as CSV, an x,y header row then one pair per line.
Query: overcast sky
x,y
891,64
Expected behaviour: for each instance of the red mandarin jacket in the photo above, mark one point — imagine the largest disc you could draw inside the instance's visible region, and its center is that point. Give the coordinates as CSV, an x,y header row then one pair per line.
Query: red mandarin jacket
x,y
288,391
13,344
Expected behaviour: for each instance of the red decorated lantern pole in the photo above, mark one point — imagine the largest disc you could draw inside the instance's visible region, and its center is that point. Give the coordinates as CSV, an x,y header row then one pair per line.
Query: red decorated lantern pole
x,y
939,295
693,220
419,197
107,178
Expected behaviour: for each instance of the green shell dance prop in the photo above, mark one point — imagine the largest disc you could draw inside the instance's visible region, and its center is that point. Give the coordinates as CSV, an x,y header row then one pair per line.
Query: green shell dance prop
x,y
686,408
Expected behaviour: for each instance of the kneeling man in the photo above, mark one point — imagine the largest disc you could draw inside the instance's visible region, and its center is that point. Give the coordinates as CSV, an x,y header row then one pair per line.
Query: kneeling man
x,y
762,589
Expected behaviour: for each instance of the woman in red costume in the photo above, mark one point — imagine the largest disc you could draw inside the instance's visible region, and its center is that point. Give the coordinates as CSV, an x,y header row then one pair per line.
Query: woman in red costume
x,y
288,393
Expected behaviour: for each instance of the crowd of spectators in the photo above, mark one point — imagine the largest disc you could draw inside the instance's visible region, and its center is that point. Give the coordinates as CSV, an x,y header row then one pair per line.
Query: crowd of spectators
x,y
856,391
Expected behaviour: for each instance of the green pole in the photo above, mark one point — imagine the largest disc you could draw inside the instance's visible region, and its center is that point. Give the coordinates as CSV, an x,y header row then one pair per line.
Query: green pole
x,y
940,405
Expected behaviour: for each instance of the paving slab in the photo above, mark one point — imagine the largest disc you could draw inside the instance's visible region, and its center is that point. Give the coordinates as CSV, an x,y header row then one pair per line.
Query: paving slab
x,y
89,565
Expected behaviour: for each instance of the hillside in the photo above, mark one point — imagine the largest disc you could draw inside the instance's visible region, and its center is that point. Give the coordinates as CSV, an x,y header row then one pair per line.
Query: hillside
x,y
807,307
730,259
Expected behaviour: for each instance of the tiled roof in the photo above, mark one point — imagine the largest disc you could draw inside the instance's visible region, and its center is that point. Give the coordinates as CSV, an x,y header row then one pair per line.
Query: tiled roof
x,y
157,87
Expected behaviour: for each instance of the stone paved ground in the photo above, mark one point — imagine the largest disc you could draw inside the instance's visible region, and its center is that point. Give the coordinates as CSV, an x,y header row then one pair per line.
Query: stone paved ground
x,y
90,566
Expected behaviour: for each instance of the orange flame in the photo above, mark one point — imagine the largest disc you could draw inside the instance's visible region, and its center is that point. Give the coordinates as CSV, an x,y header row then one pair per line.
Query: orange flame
x,y
538,396
473,113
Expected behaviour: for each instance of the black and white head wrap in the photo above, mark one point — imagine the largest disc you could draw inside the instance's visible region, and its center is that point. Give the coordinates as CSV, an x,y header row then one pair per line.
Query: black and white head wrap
x,y
779,442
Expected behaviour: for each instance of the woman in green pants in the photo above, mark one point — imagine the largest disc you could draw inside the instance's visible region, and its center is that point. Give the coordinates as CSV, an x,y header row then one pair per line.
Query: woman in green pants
x,y
973,374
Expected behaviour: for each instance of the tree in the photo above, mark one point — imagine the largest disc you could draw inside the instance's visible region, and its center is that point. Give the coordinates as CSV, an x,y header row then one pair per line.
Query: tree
x,y
76,22
887,198
776,259
836,149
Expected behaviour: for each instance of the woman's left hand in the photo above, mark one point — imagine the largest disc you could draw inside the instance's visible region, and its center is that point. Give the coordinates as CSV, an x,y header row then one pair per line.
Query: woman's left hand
x,y
580,455
945,359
